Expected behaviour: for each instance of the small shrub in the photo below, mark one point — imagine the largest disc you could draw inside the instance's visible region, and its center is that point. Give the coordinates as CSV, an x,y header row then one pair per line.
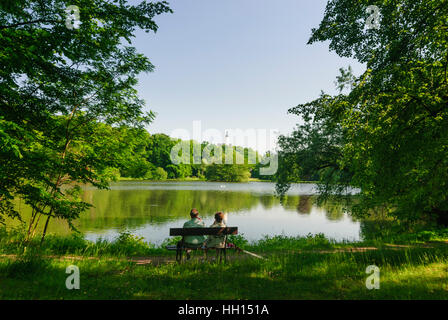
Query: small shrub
x,y
238,240
159,174
129,244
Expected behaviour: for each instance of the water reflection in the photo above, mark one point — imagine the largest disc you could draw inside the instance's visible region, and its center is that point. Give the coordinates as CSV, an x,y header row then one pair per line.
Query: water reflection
x,y
304,205
149,209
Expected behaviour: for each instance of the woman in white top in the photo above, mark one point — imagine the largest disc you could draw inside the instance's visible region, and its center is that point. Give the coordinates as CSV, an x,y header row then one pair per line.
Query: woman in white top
x,y
217,241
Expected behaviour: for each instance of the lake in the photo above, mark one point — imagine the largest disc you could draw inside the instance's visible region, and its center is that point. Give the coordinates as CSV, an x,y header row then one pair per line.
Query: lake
x,y
149,209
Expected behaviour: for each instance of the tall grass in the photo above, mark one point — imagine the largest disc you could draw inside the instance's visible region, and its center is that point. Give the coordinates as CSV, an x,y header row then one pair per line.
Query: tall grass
x,y
294,268
126,244
12,241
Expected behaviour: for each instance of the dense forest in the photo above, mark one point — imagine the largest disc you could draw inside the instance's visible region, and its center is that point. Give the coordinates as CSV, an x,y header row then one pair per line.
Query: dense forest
x,y
149,157
386,132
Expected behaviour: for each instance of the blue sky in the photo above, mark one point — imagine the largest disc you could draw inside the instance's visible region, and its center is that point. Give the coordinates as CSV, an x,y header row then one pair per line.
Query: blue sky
x,y
236,64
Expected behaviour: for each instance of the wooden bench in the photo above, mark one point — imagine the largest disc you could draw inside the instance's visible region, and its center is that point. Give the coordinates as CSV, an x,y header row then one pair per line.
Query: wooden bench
x,y
182,246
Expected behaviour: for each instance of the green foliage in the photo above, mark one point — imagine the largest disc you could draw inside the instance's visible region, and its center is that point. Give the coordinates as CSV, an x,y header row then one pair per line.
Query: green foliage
x,y
388,135
146,155
126,244
130,244
317,241
238,240
159,149
260,163
395,231
170,241
65,95
159,174
227,172
179,171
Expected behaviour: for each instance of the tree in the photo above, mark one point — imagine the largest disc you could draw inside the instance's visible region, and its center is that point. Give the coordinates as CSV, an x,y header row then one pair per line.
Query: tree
x,y
159,174
234,172
159,150
394,120
261,163
64,93
313,152
227,172
133,160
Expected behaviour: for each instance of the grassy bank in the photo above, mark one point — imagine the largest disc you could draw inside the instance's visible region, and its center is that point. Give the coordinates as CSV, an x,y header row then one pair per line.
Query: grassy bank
x,y
187,179
201,179
166,180
295,268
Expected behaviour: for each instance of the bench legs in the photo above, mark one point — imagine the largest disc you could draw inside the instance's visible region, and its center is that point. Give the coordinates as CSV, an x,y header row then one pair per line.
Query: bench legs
x,y
221,253
179,251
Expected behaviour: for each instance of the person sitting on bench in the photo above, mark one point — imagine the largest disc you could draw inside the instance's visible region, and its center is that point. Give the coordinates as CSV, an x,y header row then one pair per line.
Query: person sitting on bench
x,y
194,241
217,241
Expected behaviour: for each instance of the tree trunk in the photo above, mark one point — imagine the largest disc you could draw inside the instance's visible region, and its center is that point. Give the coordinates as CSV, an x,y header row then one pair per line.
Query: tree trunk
x,y
28,233
59,180
45,228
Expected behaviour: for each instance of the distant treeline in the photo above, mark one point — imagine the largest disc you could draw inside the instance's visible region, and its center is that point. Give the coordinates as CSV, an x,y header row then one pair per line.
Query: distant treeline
x,y
148,157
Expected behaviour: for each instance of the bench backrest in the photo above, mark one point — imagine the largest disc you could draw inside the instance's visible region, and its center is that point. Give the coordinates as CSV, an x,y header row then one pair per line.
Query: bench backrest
x,y
203,231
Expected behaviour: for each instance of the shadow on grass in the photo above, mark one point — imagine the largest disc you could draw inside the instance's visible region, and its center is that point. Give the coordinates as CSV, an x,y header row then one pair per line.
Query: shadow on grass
x,y
308,275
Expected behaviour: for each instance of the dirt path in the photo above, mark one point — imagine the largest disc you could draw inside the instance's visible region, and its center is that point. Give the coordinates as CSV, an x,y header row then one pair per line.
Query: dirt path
x,y
154,260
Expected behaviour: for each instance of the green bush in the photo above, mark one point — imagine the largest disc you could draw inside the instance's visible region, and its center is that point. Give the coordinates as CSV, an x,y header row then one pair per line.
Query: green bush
x,y
317,241
128,244
238,240
227,172
159,174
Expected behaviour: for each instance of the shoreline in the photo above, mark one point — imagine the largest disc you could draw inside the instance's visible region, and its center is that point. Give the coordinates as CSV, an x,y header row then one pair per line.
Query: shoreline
x,y
124,179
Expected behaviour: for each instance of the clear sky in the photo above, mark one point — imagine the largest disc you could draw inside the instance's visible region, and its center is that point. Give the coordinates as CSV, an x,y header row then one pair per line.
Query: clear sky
x,y
235,64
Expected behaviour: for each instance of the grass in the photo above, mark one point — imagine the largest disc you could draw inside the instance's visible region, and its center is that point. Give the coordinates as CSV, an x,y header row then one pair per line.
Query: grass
x,y
311,267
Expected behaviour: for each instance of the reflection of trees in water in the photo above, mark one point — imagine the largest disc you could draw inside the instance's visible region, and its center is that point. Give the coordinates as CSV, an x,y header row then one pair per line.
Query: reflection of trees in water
x,y
289,202
300,204
268,201
303,204
333,211
133,208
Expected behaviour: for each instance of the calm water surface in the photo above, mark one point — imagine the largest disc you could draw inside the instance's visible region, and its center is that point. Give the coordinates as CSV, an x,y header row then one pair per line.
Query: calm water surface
x,y
149,209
